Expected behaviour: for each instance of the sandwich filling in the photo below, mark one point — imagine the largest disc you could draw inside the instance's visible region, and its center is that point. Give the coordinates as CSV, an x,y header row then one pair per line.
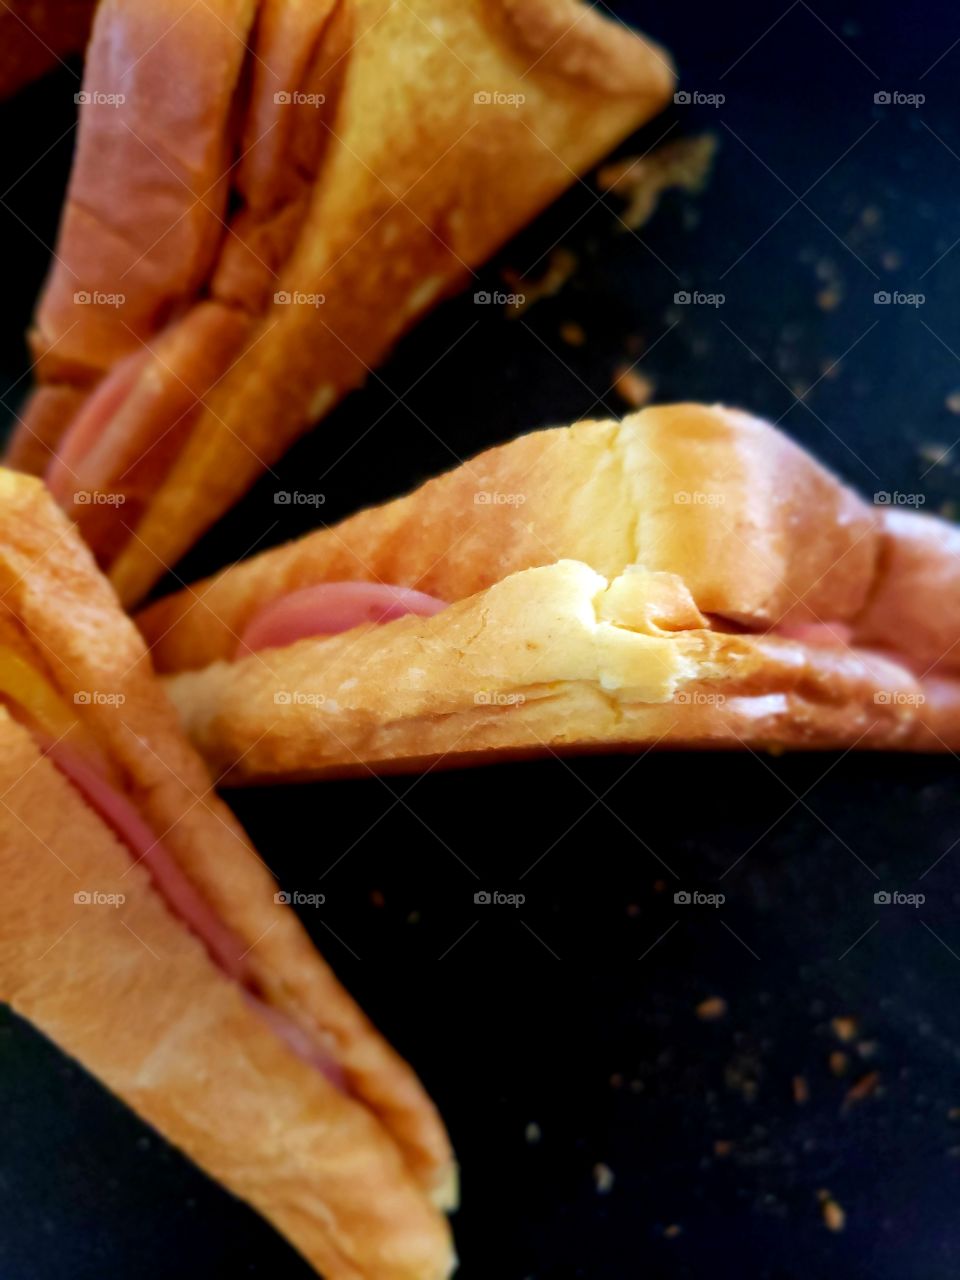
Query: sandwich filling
x,y
34,701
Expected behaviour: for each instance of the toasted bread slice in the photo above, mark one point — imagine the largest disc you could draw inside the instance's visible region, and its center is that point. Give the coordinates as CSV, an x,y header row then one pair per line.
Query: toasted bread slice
x,y
180,1027
554,659
759,531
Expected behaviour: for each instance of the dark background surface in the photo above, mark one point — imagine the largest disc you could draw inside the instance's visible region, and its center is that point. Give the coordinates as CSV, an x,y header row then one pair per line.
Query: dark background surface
x,y
562,1038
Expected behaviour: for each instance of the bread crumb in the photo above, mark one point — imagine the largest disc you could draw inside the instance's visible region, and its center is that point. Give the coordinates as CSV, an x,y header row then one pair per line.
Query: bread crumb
x,y
953,401
641,180
721,1149
712,1009
801,1091
938,455
862,1089
532,1133
839,1063
603,1177
633,387
561,267
573,334
844,1028
672,1231
834,1217
829,299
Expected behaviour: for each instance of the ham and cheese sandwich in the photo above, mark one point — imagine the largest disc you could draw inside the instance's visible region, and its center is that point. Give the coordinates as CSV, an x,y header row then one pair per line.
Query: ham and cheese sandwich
x,y
689,576
283,191
141,932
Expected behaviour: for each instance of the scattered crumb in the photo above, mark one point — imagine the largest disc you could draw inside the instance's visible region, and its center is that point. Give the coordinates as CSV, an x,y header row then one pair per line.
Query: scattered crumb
x,y
829,299
864,1087
839,1063
949,510
712,1009
721,1149
870,216
413,917
616,1080
561,267
672,1231
801,1090
891,260
953,401
633,910
953,1113
641,180
845,1028
633,387
532,1133
867,1048
603,1177
573,334
377,898
834,1217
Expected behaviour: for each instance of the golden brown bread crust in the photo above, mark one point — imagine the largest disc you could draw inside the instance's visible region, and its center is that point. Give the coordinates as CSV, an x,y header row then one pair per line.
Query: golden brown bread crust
x,y
914,604
552,659
49,582
404,194
758,530
37,35
132,995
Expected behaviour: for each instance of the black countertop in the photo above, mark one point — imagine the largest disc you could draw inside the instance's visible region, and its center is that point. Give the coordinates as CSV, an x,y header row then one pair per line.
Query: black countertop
x,y
606,1126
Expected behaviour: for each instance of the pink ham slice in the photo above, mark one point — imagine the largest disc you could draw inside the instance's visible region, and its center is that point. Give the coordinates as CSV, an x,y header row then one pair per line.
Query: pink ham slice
x,y
822,635
225,947
330,608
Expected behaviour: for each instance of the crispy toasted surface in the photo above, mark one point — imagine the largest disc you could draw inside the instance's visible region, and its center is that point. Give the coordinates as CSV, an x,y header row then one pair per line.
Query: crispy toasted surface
x,y
48,580
758,530
121,986
551,659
